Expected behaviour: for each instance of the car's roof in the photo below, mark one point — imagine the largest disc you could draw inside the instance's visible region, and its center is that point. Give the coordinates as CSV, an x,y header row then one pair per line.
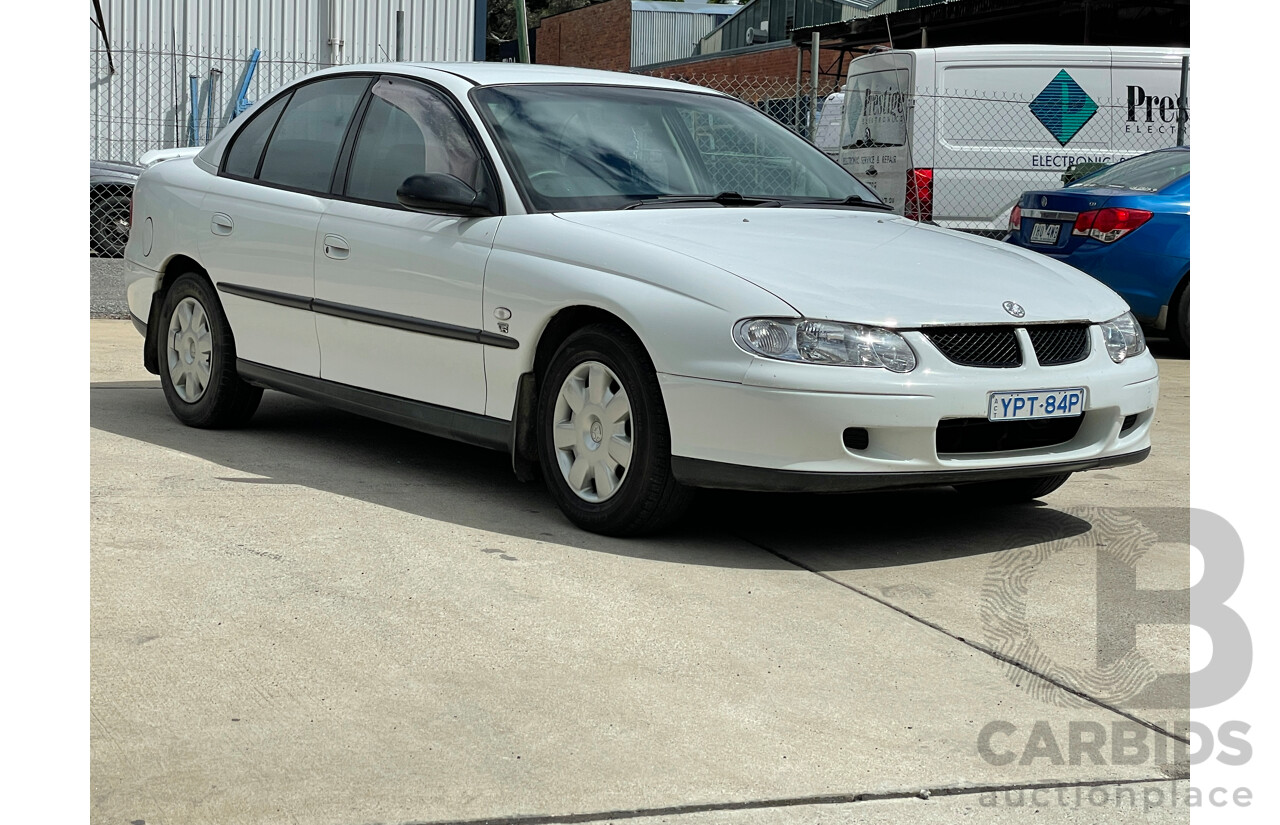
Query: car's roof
x,y
495,74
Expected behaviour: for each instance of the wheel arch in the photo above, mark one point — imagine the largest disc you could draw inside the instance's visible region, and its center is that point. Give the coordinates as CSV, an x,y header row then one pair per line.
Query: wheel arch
x,y
176,265
566,321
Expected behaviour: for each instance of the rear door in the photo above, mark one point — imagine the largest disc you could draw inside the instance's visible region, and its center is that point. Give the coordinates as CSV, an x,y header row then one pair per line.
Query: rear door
x,y
874,141
263,210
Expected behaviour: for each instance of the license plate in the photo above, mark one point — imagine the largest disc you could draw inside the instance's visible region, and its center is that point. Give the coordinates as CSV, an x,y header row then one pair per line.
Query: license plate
x,y
1024,406
1045,232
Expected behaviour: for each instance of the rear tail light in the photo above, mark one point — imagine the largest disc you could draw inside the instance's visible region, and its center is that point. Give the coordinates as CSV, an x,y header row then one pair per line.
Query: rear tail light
x,y
919,203
1109,225
1015,218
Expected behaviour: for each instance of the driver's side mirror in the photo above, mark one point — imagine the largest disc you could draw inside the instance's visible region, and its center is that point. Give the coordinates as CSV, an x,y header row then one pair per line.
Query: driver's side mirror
x,y
443,194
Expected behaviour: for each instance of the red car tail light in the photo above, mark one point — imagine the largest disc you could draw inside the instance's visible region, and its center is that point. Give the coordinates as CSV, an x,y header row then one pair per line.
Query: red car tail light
x,y
919,203
1015,218
1109,225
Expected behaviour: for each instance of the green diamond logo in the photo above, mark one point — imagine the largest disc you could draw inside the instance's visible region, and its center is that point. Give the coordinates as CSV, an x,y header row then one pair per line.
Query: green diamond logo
x,y
1063,108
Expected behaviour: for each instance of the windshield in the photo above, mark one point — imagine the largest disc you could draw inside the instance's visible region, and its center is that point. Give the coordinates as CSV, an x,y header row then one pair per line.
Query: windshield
x,y
1145,173
575,148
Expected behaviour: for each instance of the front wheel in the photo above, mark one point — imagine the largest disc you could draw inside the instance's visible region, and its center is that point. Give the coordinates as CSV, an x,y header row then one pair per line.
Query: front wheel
x,y
603,438
1012,490
197,357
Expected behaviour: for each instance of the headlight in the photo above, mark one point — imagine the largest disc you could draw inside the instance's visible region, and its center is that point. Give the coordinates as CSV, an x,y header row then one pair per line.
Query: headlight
x,y
1124,337
825,342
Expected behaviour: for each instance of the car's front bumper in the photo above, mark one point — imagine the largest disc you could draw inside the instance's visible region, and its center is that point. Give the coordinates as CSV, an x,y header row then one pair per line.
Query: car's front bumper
x,y
773,432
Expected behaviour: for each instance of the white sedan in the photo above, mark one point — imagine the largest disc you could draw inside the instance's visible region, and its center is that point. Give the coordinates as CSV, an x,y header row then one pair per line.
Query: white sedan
x,y
636,286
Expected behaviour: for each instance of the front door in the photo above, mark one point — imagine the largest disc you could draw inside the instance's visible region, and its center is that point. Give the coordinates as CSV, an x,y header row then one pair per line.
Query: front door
x,y
398,293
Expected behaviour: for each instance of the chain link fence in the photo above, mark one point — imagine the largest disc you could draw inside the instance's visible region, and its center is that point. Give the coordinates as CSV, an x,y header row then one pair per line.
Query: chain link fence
x,y
783,99
981,151
141,100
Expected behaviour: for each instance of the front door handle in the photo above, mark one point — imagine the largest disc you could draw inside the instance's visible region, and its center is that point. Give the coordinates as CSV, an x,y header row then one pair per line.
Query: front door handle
x,y
336,247
221,224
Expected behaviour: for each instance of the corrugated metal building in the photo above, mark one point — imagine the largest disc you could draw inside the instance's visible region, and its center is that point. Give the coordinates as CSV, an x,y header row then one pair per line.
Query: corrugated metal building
x,y
140,88
662,31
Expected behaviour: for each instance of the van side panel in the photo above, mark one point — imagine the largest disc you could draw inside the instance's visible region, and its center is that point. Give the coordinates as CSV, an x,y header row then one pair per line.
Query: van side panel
x,y
1145,87
991,146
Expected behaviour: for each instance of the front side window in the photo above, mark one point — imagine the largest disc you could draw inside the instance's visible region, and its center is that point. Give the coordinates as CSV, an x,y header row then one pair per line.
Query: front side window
x,y
600,147
409,129
303,149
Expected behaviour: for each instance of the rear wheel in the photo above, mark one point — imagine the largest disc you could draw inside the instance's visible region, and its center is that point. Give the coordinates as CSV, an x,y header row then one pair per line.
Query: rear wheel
x,y
197,357
1180,320
603,438
1012,490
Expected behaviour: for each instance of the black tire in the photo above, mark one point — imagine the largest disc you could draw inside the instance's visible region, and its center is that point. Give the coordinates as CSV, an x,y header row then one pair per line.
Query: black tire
x,y
108,223
1012,490
221,399
1180,320
646,496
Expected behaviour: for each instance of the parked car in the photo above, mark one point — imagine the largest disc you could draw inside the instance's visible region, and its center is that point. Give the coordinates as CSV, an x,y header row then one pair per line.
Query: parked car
x,y
110,189
636,286
1129,226
955,134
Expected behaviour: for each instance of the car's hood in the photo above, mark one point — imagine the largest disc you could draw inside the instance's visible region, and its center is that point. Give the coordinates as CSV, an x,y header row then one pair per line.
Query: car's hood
x,y
868,267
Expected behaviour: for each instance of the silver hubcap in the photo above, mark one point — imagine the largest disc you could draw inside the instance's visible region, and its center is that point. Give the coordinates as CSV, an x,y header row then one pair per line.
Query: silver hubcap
x,y
190,350
592,431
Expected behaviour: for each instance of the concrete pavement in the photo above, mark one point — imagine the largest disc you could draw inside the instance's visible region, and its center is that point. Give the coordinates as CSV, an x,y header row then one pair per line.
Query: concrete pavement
x,y
324,619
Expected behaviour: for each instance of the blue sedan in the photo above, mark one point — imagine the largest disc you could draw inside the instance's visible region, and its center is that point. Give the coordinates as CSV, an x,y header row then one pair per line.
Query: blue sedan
x,y
1129,226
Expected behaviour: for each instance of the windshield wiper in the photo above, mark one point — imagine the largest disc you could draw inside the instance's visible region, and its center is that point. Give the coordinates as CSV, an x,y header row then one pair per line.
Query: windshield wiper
x,y
852,200
724,199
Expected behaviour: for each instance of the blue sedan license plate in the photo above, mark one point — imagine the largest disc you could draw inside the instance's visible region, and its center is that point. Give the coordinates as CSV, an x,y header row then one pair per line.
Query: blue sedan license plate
x,y
1045,233
1030,404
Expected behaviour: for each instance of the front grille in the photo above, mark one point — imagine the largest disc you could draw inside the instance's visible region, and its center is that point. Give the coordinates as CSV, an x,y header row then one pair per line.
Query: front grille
x,y
978,435
977,346
1060,343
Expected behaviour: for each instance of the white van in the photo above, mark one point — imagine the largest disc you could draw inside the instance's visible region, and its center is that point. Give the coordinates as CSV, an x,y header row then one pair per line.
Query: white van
x,y
826,134
956,134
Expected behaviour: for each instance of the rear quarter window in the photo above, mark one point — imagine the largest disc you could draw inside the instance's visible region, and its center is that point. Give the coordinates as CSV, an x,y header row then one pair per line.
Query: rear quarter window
x,y
246,149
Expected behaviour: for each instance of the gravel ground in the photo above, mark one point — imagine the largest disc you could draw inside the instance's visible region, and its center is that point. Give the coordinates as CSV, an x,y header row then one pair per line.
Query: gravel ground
x,y
106,288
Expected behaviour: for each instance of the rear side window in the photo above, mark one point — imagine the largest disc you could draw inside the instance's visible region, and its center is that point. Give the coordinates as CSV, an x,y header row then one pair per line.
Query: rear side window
x,y
304,147
246,151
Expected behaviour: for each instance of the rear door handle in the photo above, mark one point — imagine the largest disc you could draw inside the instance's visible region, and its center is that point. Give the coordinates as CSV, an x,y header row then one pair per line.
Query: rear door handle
x,y
336,247
221,224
